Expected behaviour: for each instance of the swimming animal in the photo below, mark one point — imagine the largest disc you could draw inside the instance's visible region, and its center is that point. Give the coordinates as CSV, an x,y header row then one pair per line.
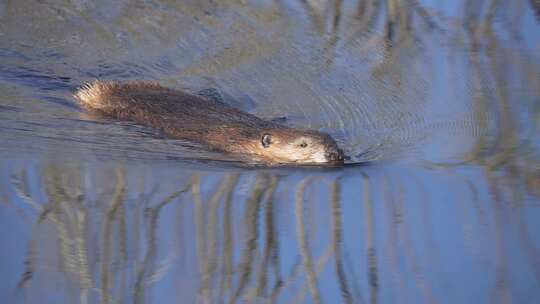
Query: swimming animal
x,y
216,125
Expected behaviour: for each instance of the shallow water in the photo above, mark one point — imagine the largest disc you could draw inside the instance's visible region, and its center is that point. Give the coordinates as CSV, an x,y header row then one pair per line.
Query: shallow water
x,y
442,112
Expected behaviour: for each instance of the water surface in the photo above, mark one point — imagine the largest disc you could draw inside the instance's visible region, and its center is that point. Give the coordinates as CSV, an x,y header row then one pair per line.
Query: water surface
x,y
439,102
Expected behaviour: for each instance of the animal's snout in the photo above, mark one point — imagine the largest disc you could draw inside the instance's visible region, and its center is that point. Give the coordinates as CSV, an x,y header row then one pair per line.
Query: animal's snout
x,y
335,155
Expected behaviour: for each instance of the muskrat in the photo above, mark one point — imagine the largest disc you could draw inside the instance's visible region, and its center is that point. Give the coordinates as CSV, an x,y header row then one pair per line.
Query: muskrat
x,y
195,118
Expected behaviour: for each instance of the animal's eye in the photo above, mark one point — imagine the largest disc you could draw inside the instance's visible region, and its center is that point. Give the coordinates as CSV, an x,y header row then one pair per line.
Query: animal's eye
x,y
303,144
266,140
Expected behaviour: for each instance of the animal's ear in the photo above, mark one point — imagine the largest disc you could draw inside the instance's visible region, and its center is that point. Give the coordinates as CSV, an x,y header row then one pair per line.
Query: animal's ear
x,y
266,140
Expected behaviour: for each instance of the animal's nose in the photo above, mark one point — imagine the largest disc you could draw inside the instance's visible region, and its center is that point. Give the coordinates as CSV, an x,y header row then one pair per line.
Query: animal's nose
x,y
335,156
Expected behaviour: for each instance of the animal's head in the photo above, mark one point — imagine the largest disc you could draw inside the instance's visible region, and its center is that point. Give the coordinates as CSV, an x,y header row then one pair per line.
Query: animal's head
x,y
286,145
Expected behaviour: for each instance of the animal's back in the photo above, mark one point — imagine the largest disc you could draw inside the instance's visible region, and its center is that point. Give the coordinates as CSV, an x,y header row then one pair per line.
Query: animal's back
x,y
176,113
131,100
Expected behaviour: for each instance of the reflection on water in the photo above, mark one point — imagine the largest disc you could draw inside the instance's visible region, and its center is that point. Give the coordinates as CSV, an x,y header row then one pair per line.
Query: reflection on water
x,y
444,95
378,234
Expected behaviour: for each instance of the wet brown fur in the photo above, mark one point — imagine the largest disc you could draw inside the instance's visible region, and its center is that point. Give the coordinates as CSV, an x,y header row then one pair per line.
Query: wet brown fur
x,y
186,116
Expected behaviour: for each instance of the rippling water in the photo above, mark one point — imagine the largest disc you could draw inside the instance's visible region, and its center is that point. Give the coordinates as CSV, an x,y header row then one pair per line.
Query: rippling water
x,y
436,102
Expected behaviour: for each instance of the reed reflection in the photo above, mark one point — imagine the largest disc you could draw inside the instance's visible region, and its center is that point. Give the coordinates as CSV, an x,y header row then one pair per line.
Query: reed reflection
x,y
255,236
108,243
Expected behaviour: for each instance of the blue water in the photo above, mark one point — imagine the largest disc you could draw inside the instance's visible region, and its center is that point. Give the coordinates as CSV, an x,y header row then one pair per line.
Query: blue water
x,y
440,117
